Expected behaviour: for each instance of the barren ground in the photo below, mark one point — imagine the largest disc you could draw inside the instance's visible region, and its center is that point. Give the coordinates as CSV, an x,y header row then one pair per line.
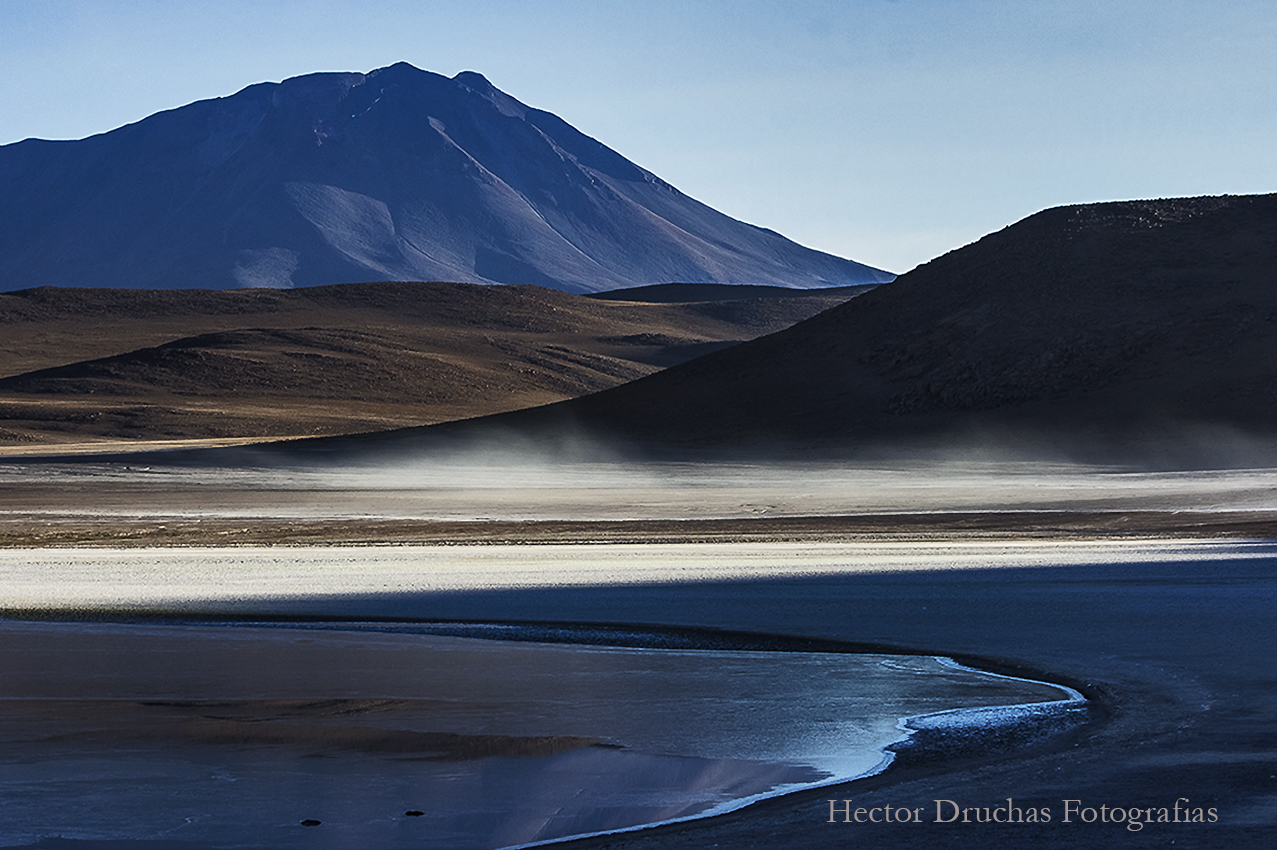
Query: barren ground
x,y
89,369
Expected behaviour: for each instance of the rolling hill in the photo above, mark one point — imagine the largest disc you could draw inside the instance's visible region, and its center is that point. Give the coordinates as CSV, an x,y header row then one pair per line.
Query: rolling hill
x,y
82,365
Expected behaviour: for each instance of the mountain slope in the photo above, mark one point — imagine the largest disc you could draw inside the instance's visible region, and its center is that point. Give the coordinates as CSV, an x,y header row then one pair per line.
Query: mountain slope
x,y
398,174
1093,326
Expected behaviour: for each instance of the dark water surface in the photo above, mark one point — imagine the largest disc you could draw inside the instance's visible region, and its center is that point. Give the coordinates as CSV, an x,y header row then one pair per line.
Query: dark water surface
x,y
233,736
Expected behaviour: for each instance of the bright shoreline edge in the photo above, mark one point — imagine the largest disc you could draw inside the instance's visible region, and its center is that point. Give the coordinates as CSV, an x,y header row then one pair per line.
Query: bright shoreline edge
x,y
984,718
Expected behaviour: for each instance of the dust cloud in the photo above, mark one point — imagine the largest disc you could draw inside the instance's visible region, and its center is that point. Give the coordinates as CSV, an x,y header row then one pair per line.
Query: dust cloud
x,y
513,483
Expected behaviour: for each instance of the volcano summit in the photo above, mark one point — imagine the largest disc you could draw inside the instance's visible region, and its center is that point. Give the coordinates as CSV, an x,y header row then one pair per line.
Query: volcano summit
x,y
397,174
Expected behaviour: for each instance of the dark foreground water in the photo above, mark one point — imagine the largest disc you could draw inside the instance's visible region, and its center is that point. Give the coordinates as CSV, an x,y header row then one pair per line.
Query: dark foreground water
x,y
234,736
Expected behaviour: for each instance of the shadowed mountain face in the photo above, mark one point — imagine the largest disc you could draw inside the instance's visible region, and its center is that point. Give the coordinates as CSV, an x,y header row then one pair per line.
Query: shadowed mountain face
x,y
398,174
1101,325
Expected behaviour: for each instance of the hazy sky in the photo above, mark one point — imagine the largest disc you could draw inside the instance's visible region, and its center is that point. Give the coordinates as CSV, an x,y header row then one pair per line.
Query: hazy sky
x,y
888,131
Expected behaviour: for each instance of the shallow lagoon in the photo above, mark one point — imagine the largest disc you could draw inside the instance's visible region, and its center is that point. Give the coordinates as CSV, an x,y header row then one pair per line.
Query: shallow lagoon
x,y
119,732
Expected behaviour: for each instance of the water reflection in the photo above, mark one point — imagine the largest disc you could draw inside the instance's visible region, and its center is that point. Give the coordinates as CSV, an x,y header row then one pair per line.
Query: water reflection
x,y
233,736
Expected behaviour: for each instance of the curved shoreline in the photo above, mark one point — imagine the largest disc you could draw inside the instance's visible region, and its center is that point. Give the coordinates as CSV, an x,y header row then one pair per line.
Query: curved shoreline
x,y
925,738
634,635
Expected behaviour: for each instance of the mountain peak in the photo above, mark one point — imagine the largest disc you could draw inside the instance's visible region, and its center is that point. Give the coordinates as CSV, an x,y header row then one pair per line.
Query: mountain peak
x,y
393,174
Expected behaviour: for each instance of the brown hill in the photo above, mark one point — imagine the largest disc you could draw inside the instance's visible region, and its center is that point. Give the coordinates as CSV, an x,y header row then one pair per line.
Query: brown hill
x,y
91,364
1105,325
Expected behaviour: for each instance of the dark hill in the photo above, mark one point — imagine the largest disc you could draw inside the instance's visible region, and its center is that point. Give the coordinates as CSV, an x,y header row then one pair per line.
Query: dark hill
x,y
1103,325
397,174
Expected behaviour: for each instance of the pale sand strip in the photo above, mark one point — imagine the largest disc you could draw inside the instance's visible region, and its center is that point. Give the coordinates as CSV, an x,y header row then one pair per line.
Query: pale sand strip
x,y
318,578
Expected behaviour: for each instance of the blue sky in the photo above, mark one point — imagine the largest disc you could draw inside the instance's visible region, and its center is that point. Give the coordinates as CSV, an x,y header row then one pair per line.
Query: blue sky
x,y
888,131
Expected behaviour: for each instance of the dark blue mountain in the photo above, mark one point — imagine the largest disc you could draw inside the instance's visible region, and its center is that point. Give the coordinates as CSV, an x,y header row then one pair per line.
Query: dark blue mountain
x,y
398,174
